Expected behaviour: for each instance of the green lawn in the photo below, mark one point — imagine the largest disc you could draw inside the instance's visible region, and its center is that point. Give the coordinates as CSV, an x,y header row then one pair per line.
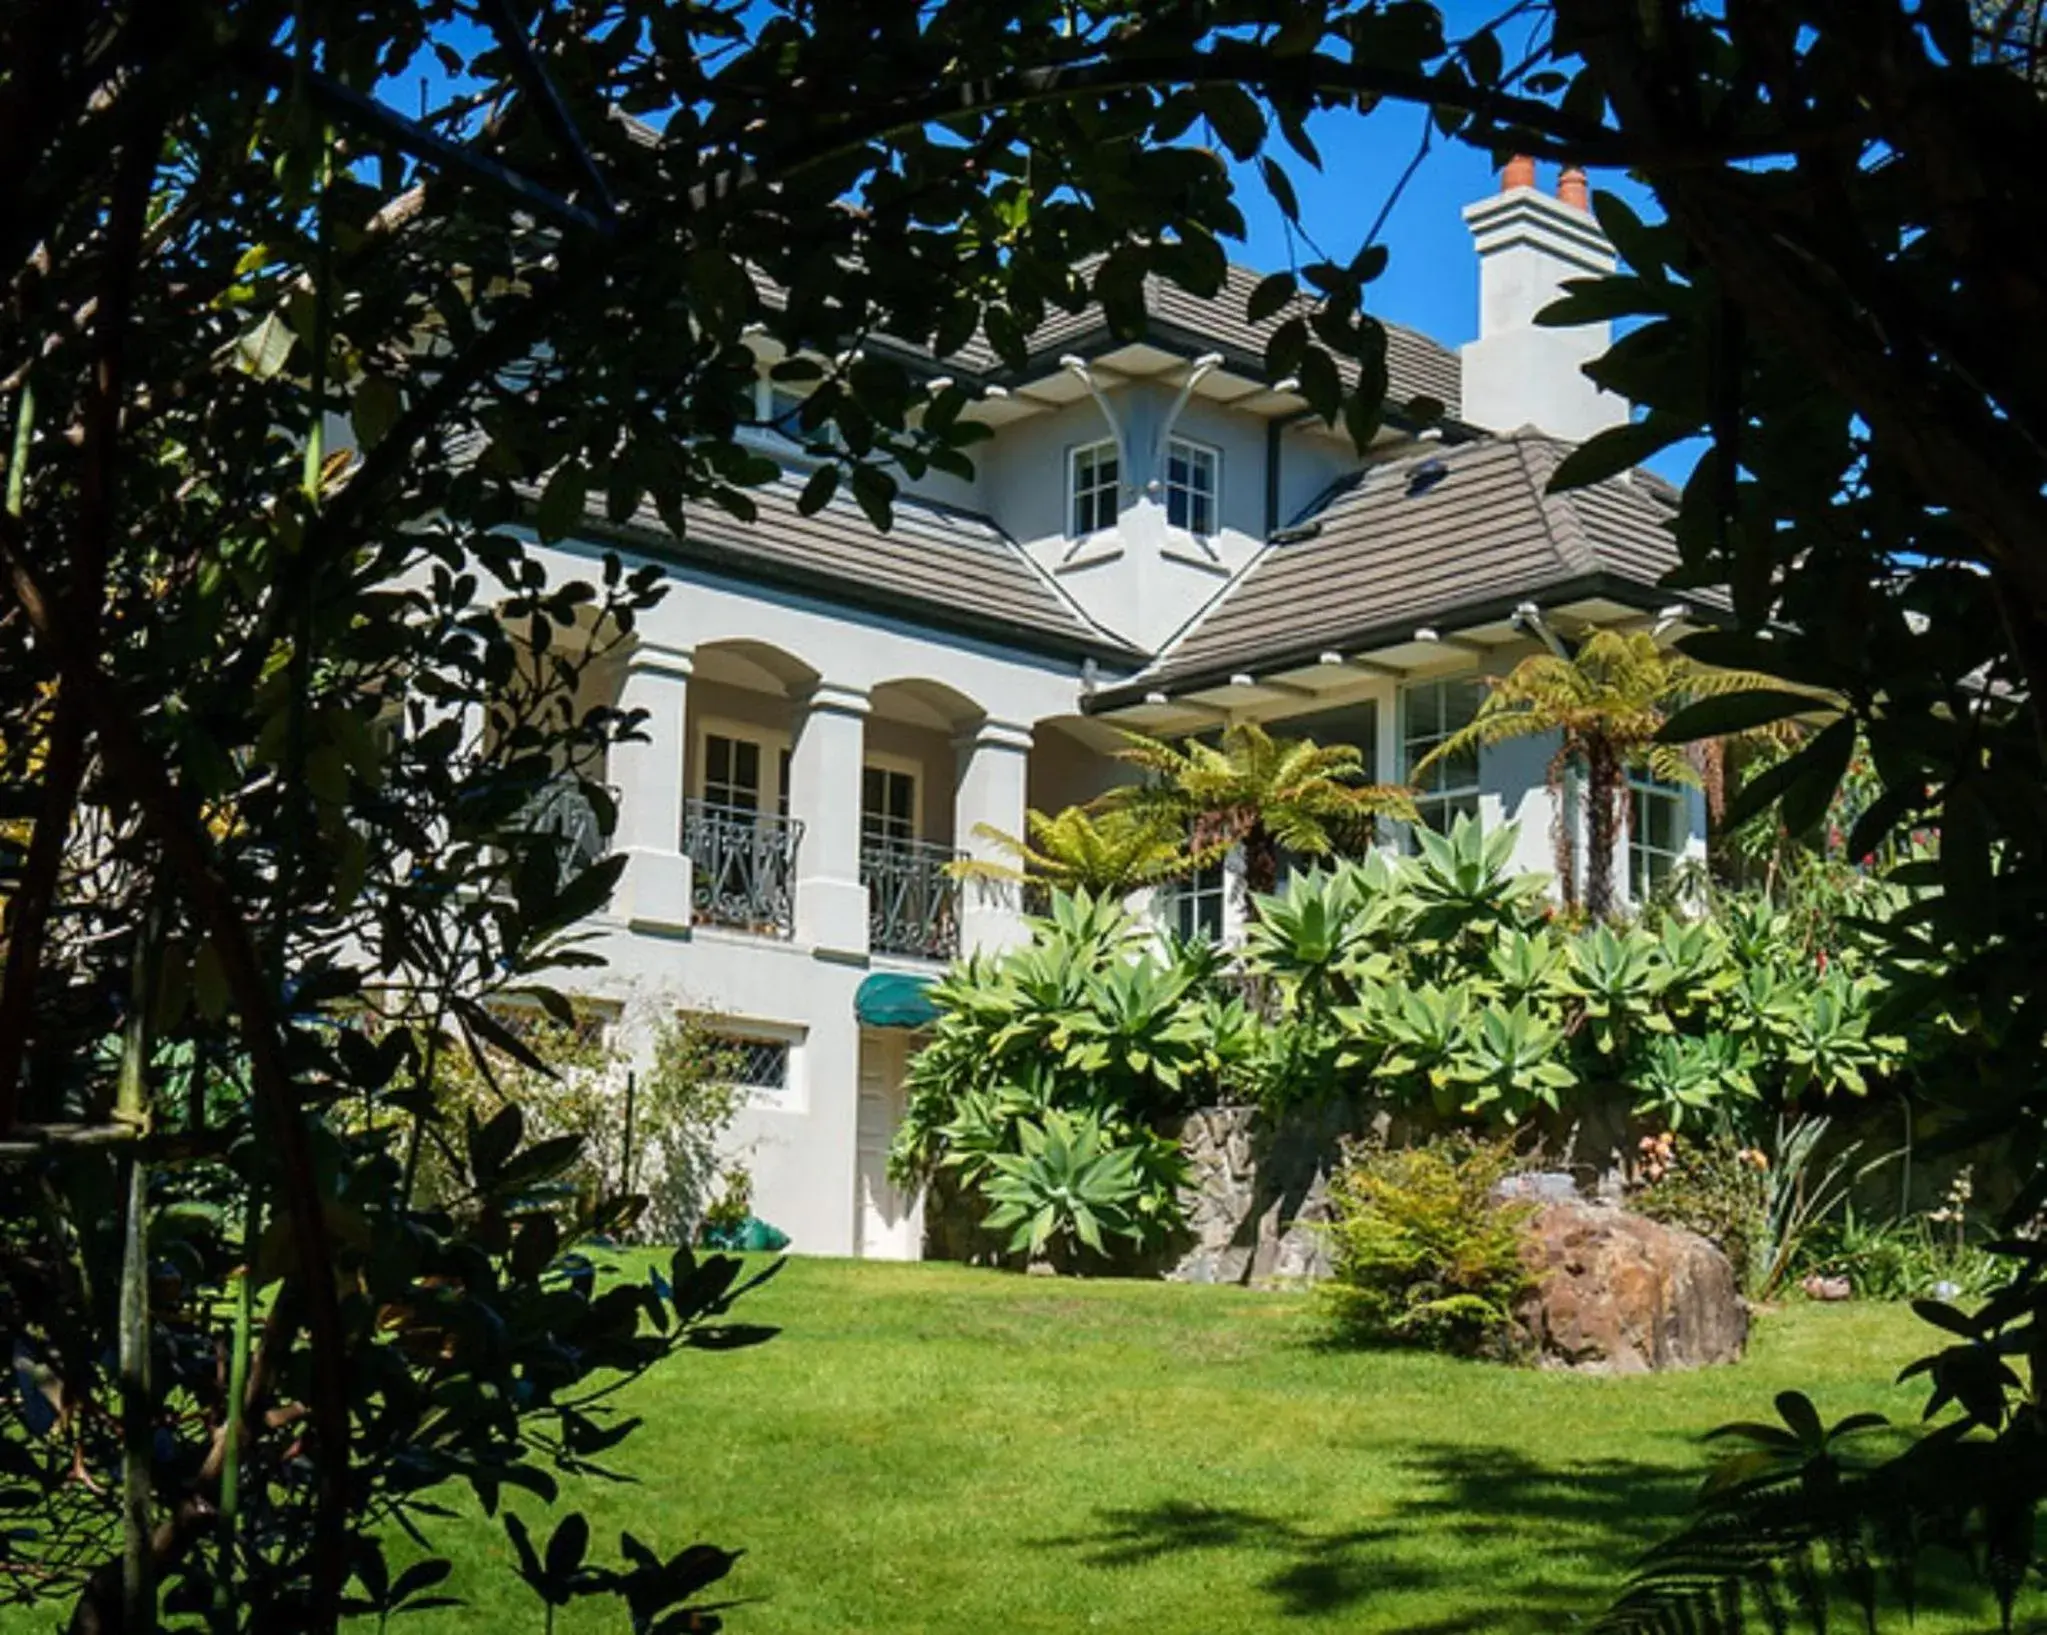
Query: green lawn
x,y
929,1448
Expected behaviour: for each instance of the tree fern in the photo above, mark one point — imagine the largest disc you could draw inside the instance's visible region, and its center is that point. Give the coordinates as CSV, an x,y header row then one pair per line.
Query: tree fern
x,y
1259,792
1607,701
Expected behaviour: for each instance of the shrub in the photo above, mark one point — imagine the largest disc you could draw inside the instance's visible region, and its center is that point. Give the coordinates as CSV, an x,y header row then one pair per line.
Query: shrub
x,y
1437,981
1425,1253
1048,1068
663,1151
1762,1205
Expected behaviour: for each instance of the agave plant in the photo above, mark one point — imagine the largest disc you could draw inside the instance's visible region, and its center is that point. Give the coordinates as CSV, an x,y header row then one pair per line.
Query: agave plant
x,y
1409,1038
1684,1078
1316,937
1080,1181
1522,967
1134,1026
1464,885
1696,968
1619,978
1512,1061
1827,1043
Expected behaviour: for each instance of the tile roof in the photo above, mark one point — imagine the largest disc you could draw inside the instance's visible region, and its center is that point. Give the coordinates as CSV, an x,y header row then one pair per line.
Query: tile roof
x,y
938,565
1416,366
1393,551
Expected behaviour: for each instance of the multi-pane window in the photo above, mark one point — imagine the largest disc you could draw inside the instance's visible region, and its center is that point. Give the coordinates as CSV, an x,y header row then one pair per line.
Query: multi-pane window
x,y
1194,907
888,806
783,411
1430,712
1095,479
753,1063
1190,487
1656,835
732,773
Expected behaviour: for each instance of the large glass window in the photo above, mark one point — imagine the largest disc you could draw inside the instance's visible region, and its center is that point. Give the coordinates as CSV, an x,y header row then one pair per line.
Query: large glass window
x,y
1656,835
888,806
1430,712
1191,472
732,773
1095,480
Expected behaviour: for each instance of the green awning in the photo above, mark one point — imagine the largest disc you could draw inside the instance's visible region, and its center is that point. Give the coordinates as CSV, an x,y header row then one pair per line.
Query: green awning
x,y
895,999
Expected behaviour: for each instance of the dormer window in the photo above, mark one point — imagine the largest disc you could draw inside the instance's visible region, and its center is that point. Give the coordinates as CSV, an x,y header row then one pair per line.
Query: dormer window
x,y
779,413
1191,470
1094,478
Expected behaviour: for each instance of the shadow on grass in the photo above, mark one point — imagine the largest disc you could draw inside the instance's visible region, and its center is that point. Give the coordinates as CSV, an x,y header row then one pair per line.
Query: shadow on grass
x,y
1514,1546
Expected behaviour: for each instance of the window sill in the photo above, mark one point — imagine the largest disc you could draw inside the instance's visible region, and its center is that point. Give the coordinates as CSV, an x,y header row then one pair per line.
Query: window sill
x,y
1092,552
1190,552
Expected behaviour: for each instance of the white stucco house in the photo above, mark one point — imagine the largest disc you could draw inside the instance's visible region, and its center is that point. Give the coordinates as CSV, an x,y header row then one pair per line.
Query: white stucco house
x,y
1155,538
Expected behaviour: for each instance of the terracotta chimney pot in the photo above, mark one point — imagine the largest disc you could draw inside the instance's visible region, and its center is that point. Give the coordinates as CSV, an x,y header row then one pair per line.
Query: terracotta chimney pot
x,y
1520,172
1573,190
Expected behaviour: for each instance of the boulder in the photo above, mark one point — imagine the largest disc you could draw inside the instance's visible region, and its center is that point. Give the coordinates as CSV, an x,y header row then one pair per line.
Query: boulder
x,y
1621,1294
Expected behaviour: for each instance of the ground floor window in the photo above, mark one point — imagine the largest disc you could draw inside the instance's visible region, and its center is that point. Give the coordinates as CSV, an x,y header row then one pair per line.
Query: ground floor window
x,y
1430,713
1656,835
754,1062
1194,908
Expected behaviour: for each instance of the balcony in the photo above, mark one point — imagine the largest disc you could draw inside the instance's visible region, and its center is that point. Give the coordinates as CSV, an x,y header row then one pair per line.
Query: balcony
x,y
743,868
913,902
562,810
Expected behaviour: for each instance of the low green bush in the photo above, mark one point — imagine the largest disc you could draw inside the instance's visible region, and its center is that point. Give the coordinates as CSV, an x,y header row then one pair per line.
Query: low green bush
x,y
1914,1257
1443,981
1424,1252
1050,1068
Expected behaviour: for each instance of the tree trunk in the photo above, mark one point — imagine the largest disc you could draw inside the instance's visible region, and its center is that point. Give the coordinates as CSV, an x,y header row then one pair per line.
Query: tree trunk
x,y
1261,862
1605,783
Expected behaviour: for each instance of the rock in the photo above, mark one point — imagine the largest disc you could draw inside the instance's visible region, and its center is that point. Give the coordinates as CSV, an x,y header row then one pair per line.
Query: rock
x,y
1547,1188
1622,1294
1827,1288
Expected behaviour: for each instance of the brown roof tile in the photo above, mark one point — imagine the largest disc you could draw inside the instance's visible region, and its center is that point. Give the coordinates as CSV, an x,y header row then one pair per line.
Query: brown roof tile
x,y
1395,550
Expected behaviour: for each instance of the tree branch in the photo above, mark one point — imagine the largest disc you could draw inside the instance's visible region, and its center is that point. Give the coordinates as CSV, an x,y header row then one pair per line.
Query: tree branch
x,y
186,846
64,769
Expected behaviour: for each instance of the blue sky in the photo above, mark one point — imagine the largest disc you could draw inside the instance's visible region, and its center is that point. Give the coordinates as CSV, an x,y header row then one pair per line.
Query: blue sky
x,y
1431,280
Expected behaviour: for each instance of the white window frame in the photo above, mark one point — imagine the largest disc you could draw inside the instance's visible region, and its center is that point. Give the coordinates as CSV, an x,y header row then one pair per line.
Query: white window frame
x,y
792,439
1639,852
1074,454
774,751
1473,792
1178,900
788,1097
899,766
1192,452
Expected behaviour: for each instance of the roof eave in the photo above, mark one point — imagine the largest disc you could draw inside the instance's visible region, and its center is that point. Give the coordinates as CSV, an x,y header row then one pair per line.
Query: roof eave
x,y
660,544
1630,592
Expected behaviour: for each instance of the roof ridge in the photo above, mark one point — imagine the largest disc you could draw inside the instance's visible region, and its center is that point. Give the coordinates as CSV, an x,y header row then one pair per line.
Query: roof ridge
x,y
1566,528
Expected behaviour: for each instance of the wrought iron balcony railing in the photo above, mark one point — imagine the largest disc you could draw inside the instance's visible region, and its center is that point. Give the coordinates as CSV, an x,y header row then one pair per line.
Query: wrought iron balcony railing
x,y
743,868
563,810
913,903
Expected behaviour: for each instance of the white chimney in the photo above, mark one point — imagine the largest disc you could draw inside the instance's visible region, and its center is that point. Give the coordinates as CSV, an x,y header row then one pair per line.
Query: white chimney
x,y
1517,374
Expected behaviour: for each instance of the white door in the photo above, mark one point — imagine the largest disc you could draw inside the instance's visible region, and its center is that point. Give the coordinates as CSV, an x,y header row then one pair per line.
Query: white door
x,y
886,1226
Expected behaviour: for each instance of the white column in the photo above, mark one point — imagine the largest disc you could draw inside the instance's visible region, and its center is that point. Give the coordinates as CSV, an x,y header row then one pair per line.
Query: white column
x,y
654,894
994,766
824,796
